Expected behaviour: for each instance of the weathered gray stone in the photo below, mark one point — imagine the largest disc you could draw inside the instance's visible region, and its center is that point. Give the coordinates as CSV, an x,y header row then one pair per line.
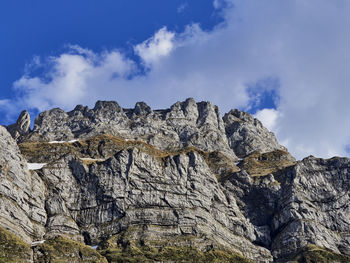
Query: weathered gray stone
x,y
156,175
185,124
298,205
135,188
21,127
22,193
314,207
246,134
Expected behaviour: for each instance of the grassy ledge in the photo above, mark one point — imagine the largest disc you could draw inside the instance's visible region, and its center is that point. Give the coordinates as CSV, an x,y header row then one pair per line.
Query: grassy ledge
x,y
13,249
64,250
124,248
101,147
261,164
315,254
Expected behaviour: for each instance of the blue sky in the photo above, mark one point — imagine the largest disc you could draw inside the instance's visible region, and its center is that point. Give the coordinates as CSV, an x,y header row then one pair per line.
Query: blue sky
x,y
44,28
287,62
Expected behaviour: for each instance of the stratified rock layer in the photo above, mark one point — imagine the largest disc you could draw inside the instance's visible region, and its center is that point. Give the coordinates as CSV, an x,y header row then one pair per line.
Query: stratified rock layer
x,y
315,207
166,186
22,192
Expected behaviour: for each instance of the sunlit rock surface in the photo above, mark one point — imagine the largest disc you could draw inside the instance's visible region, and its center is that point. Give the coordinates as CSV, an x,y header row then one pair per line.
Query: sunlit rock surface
x,y
176,185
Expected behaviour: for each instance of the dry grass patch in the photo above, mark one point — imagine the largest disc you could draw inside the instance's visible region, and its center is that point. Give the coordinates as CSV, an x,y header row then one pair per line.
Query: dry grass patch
x,y
261,164
99,148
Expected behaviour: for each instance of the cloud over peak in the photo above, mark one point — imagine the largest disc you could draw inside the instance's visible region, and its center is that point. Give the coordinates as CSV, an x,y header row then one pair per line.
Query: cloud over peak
x,y
301,45
159,45
71,77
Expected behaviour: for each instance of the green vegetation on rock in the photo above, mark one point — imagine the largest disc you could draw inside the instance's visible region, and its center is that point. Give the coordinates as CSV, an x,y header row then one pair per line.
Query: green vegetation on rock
x,y
104,146
13,249
315,254
134,253
171,254
64,250
123,248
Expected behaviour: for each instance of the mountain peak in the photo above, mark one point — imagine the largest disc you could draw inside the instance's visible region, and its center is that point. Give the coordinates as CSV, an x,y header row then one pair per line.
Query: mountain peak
x,y
184,124
169,185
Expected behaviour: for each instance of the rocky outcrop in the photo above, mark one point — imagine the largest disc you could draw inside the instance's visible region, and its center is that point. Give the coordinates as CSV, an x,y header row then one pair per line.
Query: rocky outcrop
x,y
301,204
168,194
22,193
22,126
147,185
185,124
314,208
246,134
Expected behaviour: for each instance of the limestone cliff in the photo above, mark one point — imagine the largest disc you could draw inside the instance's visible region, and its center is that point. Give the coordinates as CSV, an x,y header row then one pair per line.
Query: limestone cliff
x,y
177,185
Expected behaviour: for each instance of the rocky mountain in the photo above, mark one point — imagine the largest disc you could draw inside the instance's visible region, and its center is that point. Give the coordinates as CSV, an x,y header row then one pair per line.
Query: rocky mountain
x,y
182,184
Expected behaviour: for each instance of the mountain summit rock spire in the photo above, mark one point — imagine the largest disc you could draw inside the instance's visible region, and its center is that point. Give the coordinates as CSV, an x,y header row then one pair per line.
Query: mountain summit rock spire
x,y
21,127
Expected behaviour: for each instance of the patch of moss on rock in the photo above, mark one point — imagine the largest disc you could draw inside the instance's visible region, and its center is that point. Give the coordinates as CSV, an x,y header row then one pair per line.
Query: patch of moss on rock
x,y
315,254
64,250
13,249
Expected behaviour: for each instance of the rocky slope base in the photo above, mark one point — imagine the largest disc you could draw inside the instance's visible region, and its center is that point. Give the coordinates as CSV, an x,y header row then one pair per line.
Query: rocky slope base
x,y
178,185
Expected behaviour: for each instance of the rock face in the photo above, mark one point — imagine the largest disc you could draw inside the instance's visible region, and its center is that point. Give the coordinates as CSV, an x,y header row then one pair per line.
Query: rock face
x,y
22,192
21,127
246,134
316,208
185,124
166,186
302,204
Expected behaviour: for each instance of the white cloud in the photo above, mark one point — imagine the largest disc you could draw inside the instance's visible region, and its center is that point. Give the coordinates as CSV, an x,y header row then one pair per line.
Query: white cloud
x,y
268,117
160,45
303,43
72,77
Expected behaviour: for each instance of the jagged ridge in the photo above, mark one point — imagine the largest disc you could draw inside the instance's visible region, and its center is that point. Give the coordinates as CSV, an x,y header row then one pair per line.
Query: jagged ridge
x,y
168,182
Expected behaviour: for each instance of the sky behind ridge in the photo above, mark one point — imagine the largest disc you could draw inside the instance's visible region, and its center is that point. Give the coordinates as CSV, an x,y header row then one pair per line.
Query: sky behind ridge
x,y
287,62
